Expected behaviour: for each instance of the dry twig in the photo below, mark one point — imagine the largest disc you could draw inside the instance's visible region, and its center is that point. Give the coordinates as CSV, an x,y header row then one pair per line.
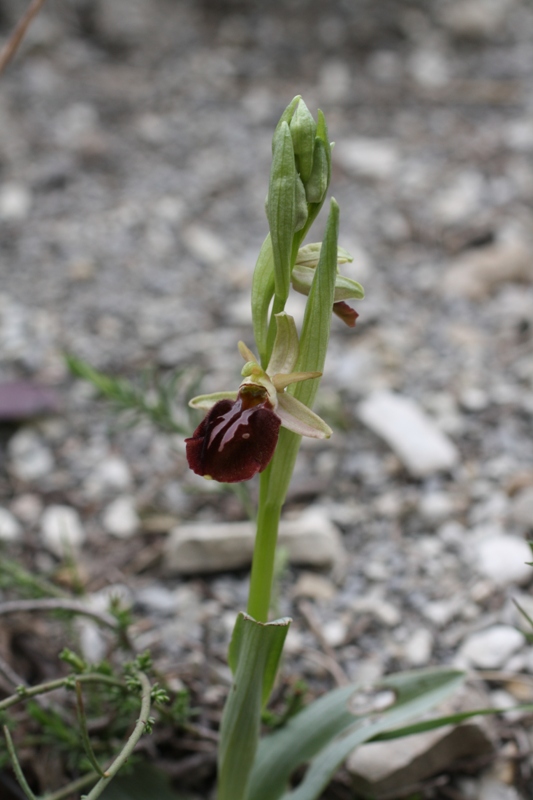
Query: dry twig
x,y
18,34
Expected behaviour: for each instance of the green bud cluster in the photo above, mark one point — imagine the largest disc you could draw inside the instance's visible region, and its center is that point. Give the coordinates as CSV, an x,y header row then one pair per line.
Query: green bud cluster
x,y
299,180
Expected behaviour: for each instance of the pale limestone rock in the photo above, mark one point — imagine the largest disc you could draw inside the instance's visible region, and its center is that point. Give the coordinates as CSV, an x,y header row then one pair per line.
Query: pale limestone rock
x,y
419,444
315,586
381,768
310,539
482,270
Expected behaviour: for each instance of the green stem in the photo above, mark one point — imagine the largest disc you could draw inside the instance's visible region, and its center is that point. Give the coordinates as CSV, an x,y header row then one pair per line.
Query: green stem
x,y
264,551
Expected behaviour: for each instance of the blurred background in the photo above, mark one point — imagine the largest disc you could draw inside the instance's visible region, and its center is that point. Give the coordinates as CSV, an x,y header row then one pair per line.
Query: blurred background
x,y
134,160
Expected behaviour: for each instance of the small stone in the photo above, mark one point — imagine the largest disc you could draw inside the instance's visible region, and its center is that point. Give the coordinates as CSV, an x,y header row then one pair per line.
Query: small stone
x,y
62,531
335,80
317,587
204,244
311,539
158,600
492,789
28,508
92,643
491,648
458,200
474,400
10,529
110,475
482,270
15,202
417,649
120,518
522,509
429,68
435,507
377,159
503,558
30,458
419,444
373,603
475,19
335,632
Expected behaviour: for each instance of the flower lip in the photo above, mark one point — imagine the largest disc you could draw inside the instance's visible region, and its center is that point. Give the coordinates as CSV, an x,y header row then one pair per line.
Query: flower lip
x,y
235,440
238,436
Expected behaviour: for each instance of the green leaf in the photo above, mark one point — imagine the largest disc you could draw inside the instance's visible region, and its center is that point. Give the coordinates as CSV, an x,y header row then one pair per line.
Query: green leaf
x,y
281,208
297,742
331,727
253,656
262,294
416,693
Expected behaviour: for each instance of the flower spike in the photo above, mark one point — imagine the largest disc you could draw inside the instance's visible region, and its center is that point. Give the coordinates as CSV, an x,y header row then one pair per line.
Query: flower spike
x,y
238,436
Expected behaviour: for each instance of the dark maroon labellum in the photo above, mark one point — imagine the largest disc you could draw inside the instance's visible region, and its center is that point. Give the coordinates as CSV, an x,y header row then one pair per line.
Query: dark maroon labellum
x,y
235,440
346,313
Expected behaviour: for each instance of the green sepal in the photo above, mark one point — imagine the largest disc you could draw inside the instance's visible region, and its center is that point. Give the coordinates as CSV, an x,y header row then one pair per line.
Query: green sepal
x,y
281,208
345,288
317,185
303,132
262,293
254,655
205,402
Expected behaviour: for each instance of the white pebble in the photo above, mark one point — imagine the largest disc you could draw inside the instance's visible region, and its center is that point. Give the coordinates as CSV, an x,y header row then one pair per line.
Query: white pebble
x,y
62,531
30,458
10,529
417,649
15,202
120,518
503,558
490,649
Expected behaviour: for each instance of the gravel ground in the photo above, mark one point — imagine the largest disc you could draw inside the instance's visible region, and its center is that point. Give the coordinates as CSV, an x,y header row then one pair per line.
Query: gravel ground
x,y
134,160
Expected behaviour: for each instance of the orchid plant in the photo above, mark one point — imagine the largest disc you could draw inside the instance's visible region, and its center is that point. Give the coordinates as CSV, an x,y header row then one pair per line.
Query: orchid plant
x,y
257,429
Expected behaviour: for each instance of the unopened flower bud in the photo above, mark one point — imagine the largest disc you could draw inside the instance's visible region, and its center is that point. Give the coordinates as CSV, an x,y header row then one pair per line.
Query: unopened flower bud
x,y
300,205
317,185
303,132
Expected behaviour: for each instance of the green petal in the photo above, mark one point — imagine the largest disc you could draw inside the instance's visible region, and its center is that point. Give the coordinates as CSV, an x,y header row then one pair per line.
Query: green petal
x,y
286,347
207,401
300,419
